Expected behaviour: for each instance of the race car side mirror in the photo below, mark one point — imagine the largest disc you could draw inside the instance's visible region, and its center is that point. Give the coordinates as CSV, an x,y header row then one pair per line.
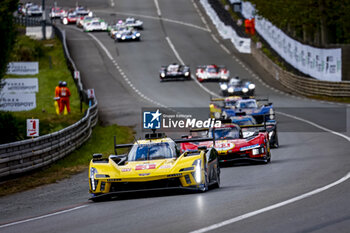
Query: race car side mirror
x,y
184,136
202,148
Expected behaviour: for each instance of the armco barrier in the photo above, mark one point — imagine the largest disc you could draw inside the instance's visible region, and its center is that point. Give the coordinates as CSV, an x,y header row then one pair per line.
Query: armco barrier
x,y
299,84
23,156
26,155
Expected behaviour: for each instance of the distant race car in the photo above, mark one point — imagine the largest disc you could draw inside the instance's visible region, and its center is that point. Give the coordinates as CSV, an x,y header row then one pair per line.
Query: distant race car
x,y
86,19
56,12
175,71
128,35
112,29
154,163
231,106
232,145
212,73
95,25
132,22
81,12
69,18
235,86
116,30
33,10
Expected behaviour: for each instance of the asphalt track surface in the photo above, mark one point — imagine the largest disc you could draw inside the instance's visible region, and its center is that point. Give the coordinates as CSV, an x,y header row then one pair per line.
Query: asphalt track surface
x,y
252,197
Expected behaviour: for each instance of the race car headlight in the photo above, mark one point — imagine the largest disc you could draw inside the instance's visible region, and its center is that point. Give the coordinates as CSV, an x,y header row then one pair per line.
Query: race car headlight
x,y
197,174
187,73
255,151
138,34
251,86
93,171
258,151
249,147
245,90
223,86
123,37
162,75
272,116
224,77
118,35
134,37
271,111
231,90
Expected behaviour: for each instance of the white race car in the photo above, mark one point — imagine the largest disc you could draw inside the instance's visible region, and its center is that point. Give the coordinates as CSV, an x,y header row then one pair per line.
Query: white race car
x,y
34,10
95,25
212,73
132,22
56,12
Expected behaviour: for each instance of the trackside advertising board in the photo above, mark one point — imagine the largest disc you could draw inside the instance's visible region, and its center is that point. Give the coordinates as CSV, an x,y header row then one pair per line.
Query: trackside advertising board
x,y
17,102
20,85
319,63
23,68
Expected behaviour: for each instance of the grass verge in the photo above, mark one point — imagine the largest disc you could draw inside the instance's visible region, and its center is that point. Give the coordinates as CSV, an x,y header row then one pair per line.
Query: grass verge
x,y
52,69
101,141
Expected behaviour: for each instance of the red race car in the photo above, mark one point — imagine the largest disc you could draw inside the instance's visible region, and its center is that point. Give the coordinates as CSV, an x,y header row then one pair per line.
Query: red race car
x,y
232,144
70,18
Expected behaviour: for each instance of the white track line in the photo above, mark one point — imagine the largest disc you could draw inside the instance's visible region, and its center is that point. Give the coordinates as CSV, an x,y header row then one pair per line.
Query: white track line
x,y
43,216
157,18
289,201
123,74
182,62
159,13
275,206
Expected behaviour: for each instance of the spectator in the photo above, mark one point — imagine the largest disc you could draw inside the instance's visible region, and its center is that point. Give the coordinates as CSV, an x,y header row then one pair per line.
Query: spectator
x,y
64,95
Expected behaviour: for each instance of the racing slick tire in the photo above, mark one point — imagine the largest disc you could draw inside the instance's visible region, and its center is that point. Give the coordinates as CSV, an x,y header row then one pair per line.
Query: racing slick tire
x,y
205,186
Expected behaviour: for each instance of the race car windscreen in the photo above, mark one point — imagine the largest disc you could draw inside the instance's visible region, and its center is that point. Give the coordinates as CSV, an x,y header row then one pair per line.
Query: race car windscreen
x,y
152,151
226,133
247,104
211,70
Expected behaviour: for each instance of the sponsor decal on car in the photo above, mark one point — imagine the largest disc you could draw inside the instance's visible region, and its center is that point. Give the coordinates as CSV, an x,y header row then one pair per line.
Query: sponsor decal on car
x,y
224,145
249,147
145,166
126,169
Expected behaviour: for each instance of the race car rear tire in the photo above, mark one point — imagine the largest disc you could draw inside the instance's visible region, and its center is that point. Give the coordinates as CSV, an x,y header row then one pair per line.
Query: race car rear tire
x,y
217,184
205,185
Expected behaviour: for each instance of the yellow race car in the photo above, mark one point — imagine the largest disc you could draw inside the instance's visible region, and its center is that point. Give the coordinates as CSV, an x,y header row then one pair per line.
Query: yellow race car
x,y
154,163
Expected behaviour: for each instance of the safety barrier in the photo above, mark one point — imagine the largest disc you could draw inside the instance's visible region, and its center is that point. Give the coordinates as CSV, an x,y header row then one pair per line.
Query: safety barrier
x,y
27,155
296,83
301,85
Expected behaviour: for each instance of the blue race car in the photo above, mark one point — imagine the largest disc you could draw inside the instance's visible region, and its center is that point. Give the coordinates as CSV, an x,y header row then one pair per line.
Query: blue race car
x,y
235,86
128,35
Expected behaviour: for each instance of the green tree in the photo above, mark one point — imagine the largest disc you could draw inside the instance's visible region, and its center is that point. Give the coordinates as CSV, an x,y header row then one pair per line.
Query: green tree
x,y
7,32
317,22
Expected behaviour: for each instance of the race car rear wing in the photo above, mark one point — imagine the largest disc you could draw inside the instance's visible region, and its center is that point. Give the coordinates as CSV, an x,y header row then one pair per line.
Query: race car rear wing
x,y
182,140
